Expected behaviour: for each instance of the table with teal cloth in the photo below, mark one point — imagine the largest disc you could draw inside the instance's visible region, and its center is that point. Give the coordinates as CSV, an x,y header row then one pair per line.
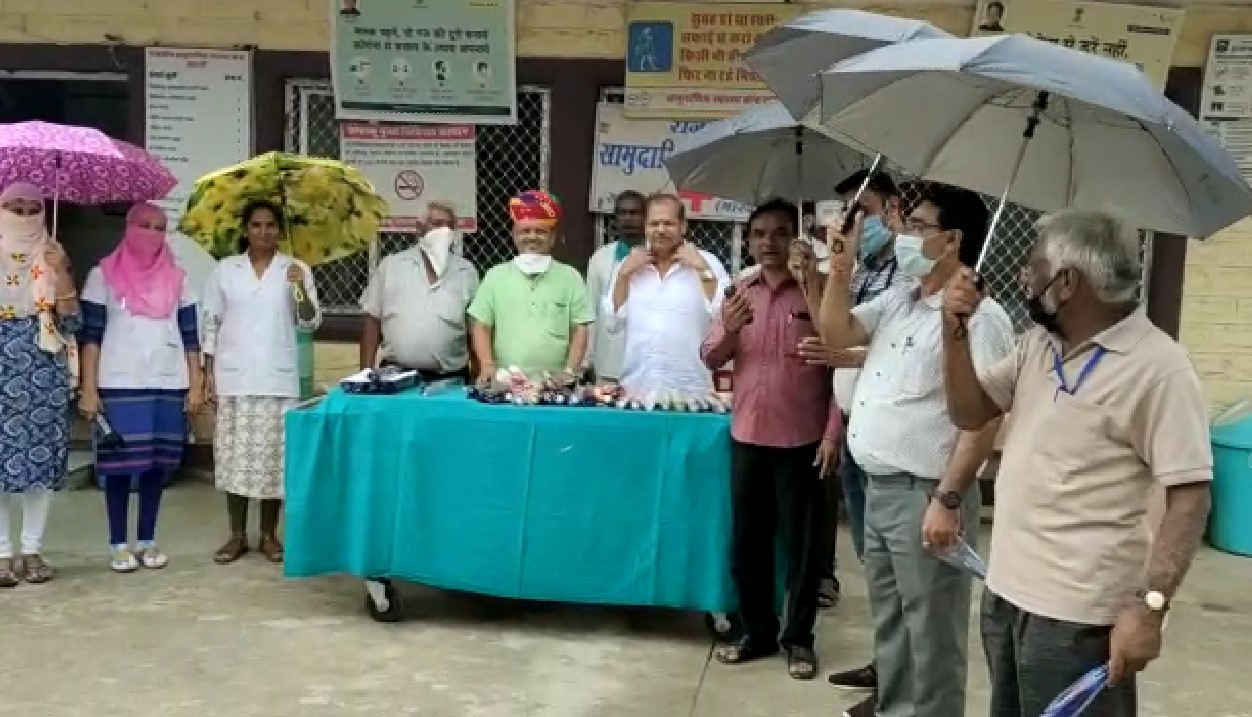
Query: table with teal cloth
x,y
578,505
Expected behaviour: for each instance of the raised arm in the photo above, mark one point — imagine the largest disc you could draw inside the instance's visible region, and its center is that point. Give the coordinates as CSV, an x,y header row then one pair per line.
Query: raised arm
x,y
837,325
969,403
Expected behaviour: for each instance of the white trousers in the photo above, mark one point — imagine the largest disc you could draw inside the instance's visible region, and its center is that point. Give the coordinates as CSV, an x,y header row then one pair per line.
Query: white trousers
x,y
35,505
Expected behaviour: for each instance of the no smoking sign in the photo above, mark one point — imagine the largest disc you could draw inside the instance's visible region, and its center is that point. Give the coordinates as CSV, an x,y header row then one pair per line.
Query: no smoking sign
x,y
409,185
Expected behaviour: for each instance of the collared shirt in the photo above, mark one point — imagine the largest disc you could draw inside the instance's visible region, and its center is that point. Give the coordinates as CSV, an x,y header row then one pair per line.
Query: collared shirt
x,y
250,327
779,400
605,352
665,319
532,317
869,279
424,325
899,420
1082,461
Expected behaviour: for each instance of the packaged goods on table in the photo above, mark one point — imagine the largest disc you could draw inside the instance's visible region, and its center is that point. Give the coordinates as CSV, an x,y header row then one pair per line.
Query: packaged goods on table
x,y
511,386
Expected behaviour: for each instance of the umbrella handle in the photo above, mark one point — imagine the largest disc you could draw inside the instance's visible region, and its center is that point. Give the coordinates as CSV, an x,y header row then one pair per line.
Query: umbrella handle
x,y
836,246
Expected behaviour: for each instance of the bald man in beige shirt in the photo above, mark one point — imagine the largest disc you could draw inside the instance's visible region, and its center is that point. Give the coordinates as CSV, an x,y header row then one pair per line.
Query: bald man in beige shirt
x,y
1106,410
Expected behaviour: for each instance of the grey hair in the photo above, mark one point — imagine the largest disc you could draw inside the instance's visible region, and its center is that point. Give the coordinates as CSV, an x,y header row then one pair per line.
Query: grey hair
x,y
1096,244
444,205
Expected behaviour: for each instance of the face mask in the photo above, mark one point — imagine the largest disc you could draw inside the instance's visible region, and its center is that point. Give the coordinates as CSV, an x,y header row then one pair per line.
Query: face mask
x,y
437,244
532,264
909,256
144,243
1040,313
874,236
20,228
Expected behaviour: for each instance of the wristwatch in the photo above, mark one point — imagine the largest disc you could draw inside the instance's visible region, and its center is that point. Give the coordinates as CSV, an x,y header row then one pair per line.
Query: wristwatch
x,y
1154,600
949,499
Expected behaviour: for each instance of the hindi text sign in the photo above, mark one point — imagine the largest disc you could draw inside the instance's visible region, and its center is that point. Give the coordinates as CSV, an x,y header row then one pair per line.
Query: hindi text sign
x,y
412,164
685,60
1226,98
443,61
630,155
1140,34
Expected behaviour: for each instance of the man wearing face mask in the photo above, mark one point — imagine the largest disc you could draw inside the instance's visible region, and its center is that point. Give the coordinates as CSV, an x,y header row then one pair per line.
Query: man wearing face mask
x,y
1107,409
532,313
664,299
605,355
415,305
921,491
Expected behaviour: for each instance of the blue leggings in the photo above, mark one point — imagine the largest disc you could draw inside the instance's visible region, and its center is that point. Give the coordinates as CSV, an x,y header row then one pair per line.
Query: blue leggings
x,y
117,489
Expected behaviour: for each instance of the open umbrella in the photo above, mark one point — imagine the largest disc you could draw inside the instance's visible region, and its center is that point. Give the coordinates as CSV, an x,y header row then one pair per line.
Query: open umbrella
x,y
331,210
761,153
791,57
1038,124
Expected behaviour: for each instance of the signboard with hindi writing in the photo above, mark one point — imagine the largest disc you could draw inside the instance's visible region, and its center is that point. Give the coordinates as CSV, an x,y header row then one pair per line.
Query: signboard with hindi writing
x,y
1226,98
1135,33
630,154
685,60
433,61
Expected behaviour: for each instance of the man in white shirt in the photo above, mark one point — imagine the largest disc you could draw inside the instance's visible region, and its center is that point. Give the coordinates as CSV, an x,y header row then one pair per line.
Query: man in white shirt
x,y
415,306
922,493
605,354
664,298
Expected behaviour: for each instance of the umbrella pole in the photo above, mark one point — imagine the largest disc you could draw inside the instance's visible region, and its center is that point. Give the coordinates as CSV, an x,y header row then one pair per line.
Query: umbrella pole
x,y
799,181
836,246
1032,122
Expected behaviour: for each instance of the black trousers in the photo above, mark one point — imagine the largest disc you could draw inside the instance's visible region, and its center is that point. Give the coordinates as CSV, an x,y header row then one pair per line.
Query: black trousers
x,y
776,496
1033,659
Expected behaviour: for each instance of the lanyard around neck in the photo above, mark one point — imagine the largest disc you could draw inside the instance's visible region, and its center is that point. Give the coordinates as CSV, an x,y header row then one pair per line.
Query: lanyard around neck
x,y
1059,368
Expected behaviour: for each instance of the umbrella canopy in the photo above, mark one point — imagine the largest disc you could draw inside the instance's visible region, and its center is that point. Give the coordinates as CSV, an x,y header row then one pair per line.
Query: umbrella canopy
x,y
762,153
1100,135
331,210
80,165
789,57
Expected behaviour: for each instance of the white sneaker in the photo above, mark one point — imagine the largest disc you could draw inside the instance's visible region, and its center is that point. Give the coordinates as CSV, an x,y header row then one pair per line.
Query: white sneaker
x,y
123,561
153,559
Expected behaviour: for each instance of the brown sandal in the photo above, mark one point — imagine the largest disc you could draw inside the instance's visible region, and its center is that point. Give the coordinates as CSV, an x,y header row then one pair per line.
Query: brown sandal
x,y
35,571
8,578
271,548
232,550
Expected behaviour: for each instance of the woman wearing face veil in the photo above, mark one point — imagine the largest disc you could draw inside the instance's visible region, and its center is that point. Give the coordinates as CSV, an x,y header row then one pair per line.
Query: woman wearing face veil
x,y
141,368
38,370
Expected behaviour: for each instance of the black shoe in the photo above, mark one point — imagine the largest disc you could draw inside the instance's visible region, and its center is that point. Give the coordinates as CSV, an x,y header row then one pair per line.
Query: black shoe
x,y
862,678
828,593
864,708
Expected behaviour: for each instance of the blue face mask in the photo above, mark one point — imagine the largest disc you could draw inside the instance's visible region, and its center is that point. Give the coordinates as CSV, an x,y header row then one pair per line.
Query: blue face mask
x,y
910,257
874,236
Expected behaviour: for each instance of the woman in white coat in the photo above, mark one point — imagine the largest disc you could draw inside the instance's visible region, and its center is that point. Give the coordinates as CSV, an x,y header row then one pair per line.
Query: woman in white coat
x,y
251,315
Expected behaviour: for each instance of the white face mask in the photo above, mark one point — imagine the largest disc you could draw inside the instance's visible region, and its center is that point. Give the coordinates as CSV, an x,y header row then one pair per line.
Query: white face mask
x,y
19,228
908,249
533,264
437,245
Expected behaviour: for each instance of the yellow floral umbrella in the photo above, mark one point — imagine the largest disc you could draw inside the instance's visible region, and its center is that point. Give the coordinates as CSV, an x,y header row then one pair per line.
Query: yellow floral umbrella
x,y
331,210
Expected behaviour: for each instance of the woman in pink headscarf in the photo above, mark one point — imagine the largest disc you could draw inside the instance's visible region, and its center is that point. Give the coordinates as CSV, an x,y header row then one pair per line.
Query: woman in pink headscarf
x,y
141,373
38,360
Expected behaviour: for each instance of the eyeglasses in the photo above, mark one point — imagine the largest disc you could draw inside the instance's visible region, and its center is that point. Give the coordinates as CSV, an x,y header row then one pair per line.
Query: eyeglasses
x,y
918,226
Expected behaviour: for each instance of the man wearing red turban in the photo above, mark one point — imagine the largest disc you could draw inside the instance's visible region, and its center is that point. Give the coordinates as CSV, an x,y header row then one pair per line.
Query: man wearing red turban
x,y
531,313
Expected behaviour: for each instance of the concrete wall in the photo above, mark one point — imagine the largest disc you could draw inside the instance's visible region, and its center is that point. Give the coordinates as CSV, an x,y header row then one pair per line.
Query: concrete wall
x,y
1217,313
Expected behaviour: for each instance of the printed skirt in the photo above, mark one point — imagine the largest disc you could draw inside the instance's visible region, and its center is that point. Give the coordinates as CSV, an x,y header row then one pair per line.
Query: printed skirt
x,y
153,427
248,442
34,410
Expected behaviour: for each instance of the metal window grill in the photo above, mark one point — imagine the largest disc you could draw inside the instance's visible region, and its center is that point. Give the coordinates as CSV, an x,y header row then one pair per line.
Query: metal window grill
x,y
510,158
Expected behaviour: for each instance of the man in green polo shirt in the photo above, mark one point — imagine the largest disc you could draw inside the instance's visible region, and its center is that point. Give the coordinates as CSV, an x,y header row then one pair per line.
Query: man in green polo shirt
x,y
531,312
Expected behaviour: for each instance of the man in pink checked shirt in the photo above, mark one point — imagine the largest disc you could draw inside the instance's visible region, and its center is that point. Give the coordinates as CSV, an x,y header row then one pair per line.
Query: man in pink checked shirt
x,y
785,439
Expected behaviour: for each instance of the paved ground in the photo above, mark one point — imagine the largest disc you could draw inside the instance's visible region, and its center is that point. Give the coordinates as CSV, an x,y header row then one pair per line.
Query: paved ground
x,y
198,640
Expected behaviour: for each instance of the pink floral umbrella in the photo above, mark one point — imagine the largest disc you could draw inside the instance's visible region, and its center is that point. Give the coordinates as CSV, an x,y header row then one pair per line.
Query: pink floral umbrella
x,y
80,165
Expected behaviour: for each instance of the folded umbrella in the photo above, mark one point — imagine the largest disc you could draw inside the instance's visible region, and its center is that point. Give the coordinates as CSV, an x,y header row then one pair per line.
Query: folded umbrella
x,y
1038,124
1078,697
762,153
331,210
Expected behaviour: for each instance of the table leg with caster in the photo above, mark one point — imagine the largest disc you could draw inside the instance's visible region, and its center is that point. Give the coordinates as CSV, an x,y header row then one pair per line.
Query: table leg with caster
x,y
382,600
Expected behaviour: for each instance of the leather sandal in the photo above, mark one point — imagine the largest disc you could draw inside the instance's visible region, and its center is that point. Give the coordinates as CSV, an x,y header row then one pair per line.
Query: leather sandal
x,y
232,550
271,548
8,578
35,570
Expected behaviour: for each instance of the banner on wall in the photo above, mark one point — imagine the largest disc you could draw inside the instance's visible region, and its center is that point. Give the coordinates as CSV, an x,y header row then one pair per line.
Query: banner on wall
x,y
1226,98
411,165
685,60
432,61
630,155
1140,34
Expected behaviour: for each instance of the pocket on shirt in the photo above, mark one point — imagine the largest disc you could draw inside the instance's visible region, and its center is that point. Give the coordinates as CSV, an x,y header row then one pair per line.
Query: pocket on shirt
x,y
555,320
921,371
1075,436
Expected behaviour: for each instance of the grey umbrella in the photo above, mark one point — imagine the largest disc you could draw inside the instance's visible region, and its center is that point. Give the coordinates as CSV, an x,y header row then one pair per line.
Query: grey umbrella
x,y
1038,124
762,153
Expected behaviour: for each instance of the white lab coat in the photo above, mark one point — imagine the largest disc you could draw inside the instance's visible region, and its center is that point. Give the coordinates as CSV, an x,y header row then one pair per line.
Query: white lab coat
x,y
250,327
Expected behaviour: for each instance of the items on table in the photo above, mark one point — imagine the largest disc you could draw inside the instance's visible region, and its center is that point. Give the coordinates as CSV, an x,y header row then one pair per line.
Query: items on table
x,y
511,386
385,380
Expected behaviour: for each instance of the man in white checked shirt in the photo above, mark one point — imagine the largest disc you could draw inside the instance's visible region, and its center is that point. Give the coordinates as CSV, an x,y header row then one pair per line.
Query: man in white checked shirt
x,y
922,493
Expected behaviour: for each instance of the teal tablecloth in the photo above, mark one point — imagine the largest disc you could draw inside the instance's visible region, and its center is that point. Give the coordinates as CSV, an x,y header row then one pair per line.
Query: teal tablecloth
x,y
579,505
